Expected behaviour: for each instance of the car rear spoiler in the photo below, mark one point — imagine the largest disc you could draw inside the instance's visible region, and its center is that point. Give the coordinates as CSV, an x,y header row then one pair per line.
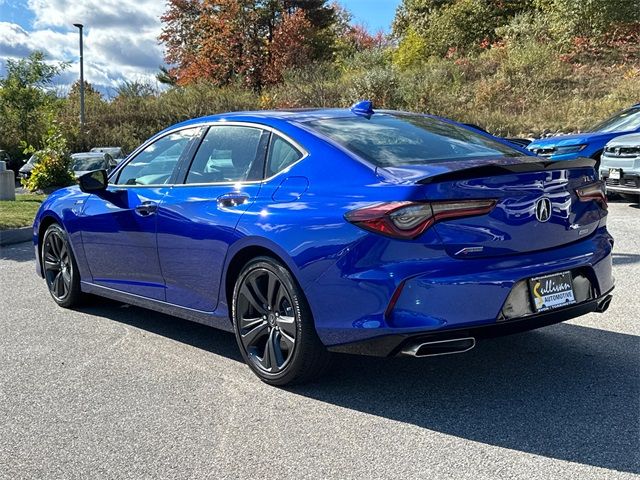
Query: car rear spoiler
x,y
492,170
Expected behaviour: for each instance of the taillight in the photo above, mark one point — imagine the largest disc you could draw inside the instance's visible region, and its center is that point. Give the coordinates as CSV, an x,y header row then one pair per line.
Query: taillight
x,y
409,219
593,191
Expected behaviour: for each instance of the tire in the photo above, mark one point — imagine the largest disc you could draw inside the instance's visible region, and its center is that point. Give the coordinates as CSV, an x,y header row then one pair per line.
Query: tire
x,y
279,342
630,197
60,268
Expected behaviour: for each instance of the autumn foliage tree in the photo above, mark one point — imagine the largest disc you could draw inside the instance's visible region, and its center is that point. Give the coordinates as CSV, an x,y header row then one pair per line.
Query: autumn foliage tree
x,y
246,41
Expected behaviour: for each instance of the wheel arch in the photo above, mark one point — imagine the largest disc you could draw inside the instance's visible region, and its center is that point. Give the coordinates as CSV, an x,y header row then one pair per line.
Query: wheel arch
x,y
46,221
239,257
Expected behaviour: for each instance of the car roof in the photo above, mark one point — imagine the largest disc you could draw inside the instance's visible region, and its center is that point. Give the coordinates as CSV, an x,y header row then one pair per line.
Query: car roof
x,y
287,115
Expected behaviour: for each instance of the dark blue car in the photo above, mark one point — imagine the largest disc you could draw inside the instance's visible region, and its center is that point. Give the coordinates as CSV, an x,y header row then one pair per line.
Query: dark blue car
x,y
348,230
591,143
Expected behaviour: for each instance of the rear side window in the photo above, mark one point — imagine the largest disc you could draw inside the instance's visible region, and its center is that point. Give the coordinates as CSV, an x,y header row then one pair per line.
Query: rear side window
x,y
388,140
229,154
281,155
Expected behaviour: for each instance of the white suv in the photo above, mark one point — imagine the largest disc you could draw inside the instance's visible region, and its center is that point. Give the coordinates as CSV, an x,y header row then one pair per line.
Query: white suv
x,y
620,165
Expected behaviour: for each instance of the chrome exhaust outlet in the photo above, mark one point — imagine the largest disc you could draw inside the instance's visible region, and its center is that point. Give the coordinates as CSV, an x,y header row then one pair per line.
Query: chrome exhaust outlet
x,y
440,347
604,304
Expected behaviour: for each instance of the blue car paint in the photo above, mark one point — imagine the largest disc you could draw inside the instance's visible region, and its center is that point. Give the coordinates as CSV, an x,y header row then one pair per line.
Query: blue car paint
x,y
594,143
348,274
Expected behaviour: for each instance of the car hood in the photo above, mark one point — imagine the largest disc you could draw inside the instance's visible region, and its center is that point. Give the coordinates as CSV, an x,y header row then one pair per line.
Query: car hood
x,y
26,168
573,139
632,139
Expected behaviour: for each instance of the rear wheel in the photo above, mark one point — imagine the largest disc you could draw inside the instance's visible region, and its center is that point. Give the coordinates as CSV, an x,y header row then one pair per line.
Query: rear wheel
x,y
60,268
273,325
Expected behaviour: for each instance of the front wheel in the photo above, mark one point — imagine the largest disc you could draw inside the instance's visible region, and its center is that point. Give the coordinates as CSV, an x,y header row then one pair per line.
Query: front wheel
x,y
273,325
60,268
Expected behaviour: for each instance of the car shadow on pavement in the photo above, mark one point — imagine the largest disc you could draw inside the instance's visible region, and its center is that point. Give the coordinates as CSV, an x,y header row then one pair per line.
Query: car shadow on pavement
x,y
200,336
566,391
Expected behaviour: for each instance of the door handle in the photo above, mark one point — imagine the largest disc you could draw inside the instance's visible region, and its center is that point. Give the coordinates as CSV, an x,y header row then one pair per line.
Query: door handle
x,y
146,208
232,199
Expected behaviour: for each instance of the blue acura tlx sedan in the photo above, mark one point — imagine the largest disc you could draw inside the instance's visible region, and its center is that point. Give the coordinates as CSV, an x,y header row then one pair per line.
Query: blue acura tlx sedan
x,y
344,230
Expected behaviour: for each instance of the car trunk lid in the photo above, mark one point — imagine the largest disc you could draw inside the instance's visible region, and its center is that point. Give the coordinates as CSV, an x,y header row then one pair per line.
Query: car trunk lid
x,y
537,204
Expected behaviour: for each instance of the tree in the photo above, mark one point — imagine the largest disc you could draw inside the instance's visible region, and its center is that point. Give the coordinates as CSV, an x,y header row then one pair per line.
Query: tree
x,y
460,25
289,47
588,18
231,41
25,100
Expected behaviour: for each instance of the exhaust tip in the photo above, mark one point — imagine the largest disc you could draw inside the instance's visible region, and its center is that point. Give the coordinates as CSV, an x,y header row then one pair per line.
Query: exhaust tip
x,y
603,306
440,347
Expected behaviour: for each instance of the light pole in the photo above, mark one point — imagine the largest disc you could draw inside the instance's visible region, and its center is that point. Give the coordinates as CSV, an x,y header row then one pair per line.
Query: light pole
x,y
80,26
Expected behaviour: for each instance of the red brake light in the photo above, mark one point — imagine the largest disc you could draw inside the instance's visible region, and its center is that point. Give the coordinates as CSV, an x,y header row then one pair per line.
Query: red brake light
x,y
593,191
410,219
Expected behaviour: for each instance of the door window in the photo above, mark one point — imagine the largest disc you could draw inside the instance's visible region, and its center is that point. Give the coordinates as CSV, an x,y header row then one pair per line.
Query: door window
x,y
229,154
156,163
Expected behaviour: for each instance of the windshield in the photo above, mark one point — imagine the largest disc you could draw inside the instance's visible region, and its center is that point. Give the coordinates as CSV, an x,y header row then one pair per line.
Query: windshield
x,y
622,122
388,140
90,163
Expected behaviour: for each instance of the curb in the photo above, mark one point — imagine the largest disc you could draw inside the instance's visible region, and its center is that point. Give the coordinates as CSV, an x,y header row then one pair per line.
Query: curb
x,y
15,235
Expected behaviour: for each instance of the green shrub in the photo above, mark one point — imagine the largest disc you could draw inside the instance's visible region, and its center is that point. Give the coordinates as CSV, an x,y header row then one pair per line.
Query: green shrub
x,y
411,52
54,164
461,25
317,85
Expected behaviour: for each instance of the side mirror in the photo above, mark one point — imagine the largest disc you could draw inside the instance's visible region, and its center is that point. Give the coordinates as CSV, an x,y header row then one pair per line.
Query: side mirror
x,y
93,182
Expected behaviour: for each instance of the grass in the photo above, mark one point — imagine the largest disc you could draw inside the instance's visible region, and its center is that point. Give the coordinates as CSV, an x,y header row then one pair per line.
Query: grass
x,y
21,212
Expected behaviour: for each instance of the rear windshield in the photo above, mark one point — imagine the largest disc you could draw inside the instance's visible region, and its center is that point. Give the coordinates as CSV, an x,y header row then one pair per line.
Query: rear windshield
x,y
390,140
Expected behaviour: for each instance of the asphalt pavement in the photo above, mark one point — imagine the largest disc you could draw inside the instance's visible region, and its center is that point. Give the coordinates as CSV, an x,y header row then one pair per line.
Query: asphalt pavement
x,y
113,391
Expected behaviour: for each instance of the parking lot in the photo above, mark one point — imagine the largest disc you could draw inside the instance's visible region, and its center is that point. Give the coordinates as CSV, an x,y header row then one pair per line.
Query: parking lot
x,y
112,391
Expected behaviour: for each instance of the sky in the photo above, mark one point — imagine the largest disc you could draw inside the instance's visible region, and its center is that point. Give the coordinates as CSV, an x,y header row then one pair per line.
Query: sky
x,y
120,36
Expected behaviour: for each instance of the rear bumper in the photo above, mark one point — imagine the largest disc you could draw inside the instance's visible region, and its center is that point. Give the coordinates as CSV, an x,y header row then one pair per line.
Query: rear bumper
x,y
403,297
628,183
391,345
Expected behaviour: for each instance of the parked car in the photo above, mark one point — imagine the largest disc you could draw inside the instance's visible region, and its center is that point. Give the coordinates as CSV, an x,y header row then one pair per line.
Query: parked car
x,y
342,230
115,152
27,168
520,142
82,163
11,163
591,143
620,166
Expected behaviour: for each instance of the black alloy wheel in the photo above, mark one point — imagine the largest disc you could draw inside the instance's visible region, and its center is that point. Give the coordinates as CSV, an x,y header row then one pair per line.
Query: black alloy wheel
x,y
273,325
59,267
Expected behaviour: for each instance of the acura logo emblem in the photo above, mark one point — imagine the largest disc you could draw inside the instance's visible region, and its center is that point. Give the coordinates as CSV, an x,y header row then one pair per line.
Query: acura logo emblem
x,y
543,209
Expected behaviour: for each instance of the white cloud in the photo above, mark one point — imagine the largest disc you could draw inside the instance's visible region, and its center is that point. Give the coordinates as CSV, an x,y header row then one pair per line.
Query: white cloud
x,y
120,38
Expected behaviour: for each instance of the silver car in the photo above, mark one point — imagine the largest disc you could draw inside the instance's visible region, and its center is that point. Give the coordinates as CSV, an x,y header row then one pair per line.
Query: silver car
x,y
620,165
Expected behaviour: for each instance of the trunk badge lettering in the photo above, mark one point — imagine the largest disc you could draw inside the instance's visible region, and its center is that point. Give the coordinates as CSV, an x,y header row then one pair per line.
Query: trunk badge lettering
x,y
468,250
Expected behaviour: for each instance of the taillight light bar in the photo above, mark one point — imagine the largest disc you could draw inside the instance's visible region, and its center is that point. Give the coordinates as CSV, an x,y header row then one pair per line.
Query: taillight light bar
x,y
593,191
408,220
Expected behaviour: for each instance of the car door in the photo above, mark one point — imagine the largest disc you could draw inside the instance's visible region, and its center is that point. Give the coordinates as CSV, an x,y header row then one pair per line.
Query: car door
x,y
119,224
197,220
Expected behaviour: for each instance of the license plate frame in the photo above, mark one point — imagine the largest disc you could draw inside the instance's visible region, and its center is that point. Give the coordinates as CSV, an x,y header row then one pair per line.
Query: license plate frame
x,y
615,173
551,291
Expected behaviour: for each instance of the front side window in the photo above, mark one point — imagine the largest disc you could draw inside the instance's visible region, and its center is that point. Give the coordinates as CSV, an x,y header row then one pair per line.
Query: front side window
x,y
388,140
229,154
281,155
155,164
